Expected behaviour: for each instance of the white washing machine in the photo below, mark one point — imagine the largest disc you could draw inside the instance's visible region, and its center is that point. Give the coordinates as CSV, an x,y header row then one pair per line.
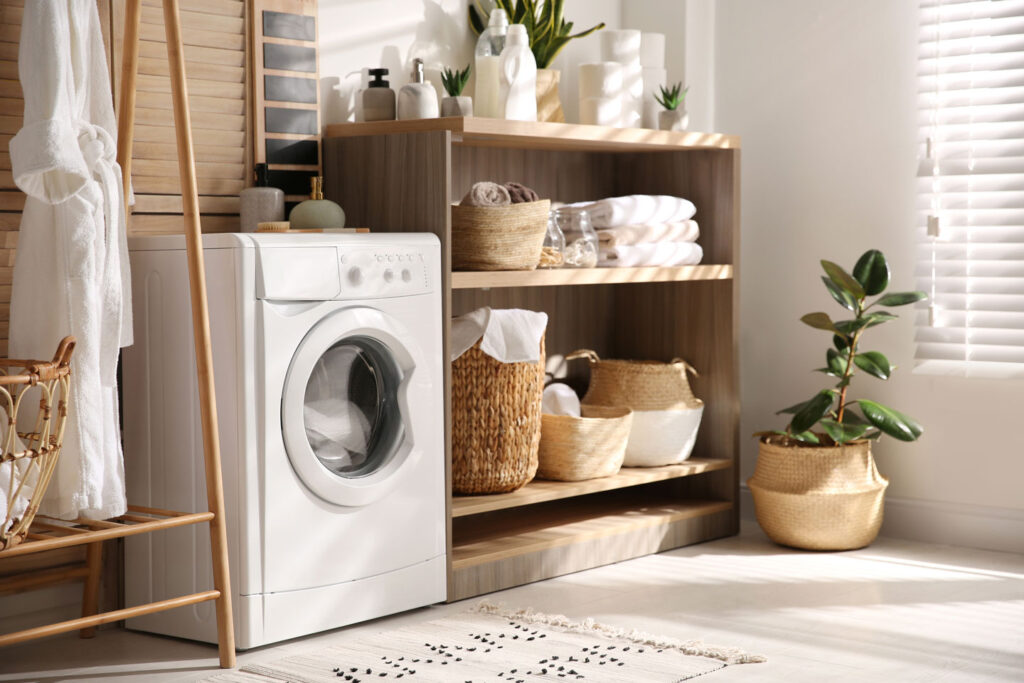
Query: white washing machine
x,y
328,366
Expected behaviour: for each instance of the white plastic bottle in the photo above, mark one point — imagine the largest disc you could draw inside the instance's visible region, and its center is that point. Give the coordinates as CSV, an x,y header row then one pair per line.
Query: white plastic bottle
x,y
487,97
518,76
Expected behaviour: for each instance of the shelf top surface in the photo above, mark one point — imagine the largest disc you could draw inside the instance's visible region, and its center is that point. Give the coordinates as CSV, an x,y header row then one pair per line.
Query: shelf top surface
x,y
485,132
587,276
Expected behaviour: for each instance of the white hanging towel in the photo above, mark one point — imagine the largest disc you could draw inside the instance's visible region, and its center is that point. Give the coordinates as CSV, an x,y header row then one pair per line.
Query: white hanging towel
x,y
71,268
507,335
653,254
638,208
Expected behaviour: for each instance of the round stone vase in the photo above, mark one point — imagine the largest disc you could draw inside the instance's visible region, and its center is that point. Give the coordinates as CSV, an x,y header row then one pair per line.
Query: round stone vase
x,y
457,106
818,498
673,119
549,104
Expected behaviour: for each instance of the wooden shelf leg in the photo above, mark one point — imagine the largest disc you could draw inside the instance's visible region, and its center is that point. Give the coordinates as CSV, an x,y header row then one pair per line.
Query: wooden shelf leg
x,y
91,590
201,331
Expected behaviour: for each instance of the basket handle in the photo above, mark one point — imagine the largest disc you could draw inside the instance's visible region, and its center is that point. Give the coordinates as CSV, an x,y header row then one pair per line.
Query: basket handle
x,y
63,355
689,368
584,353
45,372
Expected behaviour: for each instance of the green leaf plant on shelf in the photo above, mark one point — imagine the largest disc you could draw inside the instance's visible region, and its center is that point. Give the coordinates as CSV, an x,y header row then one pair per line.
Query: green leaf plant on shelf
x,y
816,485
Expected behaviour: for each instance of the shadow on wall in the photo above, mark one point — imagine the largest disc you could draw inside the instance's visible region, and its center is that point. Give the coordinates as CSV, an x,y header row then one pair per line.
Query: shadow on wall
x,y
438,37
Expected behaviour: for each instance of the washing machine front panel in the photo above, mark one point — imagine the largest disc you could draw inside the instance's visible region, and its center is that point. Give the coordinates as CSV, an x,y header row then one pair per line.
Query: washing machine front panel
x,y
345,408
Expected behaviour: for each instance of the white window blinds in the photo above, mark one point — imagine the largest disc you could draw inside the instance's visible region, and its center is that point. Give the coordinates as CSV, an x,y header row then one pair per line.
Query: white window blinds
x,y
971,187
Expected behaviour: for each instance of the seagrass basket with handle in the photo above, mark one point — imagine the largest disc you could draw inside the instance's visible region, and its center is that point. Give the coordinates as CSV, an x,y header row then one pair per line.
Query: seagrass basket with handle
x,y
33,394
496,418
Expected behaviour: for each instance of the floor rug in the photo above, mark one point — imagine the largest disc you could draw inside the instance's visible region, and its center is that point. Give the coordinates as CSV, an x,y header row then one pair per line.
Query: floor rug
x,y
489,645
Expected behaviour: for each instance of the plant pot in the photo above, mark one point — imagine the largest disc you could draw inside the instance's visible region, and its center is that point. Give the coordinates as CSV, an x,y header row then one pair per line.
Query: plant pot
x,y
549,104
827,498
457,106
673,119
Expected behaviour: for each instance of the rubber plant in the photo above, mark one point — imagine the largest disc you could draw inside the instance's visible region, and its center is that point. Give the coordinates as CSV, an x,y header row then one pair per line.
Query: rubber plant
x,y
545,24
832,417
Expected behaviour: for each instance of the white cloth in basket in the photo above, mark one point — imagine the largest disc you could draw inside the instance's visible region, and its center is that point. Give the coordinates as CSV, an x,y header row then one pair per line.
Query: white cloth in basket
x,y
507,335
560,399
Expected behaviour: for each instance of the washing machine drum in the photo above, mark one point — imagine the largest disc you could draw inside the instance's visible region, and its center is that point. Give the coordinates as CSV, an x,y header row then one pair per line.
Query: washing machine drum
x,y
345,409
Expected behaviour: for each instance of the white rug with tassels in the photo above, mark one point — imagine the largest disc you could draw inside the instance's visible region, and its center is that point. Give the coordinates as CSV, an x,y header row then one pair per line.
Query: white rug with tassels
x,y
490,644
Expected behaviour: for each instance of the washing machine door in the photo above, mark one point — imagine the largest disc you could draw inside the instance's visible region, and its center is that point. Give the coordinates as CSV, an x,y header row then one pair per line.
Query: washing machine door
x,y
345,406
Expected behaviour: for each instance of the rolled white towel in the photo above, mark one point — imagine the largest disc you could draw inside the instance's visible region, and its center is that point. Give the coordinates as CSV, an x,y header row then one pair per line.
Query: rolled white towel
x,y
656,254
560,399
487,194
682,231
637,208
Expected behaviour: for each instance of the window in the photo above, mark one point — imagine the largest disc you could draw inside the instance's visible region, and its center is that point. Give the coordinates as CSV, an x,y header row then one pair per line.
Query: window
x,y
971,187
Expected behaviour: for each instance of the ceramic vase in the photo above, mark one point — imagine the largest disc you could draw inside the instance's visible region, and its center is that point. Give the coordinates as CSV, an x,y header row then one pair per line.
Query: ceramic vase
x,y
457,106
549,104
673,119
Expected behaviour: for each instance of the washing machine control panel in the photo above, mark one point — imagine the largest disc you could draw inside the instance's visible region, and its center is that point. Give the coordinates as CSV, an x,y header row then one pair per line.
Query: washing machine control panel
x,y
383,272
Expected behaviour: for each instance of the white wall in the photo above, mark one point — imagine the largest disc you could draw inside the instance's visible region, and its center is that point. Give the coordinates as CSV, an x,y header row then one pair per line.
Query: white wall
x,y
355,34
823,94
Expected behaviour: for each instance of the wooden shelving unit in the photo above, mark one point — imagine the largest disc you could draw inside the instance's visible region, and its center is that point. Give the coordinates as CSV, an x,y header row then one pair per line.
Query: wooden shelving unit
x,y
403,176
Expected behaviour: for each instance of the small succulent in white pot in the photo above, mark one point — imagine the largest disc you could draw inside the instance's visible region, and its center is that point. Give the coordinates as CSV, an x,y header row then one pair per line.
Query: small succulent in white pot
x,y
456,104
673,118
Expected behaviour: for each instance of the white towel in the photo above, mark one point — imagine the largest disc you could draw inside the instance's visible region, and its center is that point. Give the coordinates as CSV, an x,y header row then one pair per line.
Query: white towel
x,y
12,474
510,336
654,254
637,208
560,399
643,233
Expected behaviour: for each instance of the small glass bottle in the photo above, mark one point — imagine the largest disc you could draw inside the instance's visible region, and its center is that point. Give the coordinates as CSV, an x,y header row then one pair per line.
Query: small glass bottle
x,y
581,244
552,254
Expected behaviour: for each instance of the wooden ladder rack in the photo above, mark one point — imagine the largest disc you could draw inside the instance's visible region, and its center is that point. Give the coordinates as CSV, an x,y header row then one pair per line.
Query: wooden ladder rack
x,y
50,534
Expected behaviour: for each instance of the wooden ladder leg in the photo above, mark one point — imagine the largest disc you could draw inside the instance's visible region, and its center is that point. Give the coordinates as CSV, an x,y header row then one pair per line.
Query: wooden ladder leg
x,y
201,331
91,590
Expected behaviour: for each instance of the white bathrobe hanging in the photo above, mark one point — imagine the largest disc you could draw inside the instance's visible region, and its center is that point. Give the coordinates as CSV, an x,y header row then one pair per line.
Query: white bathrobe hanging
x,y
71,266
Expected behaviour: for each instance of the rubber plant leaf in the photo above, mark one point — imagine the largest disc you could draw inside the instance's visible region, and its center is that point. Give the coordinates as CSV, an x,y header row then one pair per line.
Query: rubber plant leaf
x,y
901,298
892,422
819,321
840,342
842,297
873,363
878,317
842,432
843,279
806,437
872,272
836,362
815,409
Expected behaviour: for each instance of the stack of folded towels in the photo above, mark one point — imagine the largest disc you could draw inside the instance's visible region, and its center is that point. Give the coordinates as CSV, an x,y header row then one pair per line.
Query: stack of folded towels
x,y
645,230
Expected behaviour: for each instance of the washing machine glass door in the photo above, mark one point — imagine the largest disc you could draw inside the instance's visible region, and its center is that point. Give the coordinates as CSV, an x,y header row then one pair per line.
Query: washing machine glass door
x,y
345,406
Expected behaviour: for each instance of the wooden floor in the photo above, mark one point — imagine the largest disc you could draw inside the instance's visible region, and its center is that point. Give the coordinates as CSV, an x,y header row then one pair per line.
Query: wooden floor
x,y
897,611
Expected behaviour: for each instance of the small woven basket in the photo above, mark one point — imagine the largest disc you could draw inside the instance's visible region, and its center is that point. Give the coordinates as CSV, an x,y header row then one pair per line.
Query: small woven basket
x,y
33,393
638,384
587,447
828,498
496,409
499,237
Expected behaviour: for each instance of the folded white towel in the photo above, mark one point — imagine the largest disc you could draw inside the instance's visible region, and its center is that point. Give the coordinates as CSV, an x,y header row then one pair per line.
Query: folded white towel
x,y
637,208
682,231
652,254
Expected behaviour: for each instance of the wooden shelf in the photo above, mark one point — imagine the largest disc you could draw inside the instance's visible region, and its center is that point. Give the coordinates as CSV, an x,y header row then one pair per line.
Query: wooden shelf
x,y
586,276
483,132
540,491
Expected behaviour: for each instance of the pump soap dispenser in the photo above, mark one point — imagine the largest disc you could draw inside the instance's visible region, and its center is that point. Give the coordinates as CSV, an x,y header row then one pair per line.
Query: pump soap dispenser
x,y
378,98
260,203
418,99
317,213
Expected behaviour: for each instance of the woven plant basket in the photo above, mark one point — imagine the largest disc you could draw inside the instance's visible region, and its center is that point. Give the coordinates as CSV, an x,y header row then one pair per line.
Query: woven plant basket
x,y
828,498
33,393
499,237
666,414
496,409
587,447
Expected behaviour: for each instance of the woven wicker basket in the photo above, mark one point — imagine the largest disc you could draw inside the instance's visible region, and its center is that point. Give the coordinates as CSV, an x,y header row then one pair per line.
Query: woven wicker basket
x,y
499,237
638,384
587,447
36,393
496,410
827,498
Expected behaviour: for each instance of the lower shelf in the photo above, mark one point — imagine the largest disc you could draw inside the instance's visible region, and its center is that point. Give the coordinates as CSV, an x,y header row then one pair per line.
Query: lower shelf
x,y
492,552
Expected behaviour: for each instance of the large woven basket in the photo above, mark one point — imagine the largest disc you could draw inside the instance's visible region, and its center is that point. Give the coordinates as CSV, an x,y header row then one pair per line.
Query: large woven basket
x,y
35,393
828,498
499,237
587,447
496,409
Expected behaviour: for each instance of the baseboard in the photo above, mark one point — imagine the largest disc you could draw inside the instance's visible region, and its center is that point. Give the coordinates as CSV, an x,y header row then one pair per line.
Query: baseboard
x,y
967,526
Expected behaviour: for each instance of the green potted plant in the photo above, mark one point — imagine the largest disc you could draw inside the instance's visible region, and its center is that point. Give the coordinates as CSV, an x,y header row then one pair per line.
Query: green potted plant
x,y
549,32
816,485
672,118
456,104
